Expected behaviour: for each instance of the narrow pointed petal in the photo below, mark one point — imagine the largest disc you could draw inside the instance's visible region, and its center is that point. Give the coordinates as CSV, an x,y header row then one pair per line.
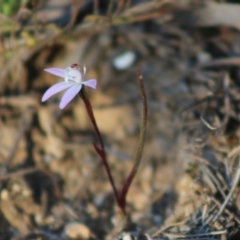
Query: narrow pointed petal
x,y
58,87
56,71
69,95
92,83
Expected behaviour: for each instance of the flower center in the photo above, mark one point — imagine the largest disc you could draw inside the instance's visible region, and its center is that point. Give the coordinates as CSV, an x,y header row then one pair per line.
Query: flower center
x,y
73,75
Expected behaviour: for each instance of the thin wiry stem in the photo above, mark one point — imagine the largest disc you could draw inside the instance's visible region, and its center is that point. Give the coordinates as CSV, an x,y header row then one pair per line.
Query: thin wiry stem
x,y
127,184
120,197
100,150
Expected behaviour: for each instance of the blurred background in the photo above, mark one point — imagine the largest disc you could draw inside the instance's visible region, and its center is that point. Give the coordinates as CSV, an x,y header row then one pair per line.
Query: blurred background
x,y
53,184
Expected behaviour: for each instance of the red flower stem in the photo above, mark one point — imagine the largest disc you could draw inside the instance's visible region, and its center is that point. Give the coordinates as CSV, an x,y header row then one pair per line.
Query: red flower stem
x,y
120,198
128,182
100,151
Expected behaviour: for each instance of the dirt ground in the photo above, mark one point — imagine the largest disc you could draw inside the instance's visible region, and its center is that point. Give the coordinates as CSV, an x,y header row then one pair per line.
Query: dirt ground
x,y
53,185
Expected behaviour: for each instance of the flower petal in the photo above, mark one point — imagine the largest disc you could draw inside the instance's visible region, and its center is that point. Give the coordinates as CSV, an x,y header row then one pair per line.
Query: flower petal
x,y
58,87
69,95
92,83
56,71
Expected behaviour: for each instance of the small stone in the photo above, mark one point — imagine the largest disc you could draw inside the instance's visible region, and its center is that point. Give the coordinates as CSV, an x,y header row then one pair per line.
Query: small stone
x,y
128,236
4,195
77,230
16,188
125,60
203,57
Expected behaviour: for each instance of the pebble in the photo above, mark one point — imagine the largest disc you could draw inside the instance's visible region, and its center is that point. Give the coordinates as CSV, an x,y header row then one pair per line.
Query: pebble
x,y
4,195
124,60
76,230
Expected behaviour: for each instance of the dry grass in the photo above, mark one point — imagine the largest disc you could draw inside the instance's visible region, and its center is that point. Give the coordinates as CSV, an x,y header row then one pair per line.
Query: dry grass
x,y
53,185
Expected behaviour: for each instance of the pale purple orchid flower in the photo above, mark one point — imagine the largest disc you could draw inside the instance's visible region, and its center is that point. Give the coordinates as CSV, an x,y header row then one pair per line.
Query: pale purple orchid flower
x,y
73,81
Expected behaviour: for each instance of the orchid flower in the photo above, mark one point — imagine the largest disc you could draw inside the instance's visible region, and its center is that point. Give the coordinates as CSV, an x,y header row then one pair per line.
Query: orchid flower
x,y
73,81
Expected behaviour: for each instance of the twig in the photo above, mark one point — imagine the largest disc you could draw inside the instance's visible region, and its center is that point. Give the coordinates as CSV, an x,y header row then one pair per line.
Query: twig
x,y
231,215
173,235
128,4
207,124
109,9
148,236
144,8
164,228
24,125
20,173
95,6
76,6
226,101
235,182
210,176
120,6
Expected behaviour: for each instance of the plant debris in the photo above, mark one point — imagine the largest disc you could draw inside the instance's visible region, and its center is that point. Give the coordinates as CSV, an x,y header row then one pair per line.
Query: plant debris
x,y
53,185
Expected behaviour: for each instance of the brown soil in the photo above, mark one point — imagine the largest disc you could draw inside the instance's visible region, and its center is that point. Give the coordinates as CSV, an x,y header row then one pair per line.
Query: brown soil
x,y
52,182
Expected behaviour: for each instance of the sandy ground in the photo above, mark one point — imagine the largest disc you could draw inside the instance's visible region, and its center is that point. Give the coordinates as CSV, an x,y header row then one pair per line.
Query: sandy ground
x,y
52,182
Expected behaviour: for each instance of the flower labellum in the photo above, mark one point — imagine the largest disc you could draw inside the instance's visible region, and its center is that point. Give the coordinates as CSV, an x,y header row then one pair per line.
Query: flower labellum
x,y
73,81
